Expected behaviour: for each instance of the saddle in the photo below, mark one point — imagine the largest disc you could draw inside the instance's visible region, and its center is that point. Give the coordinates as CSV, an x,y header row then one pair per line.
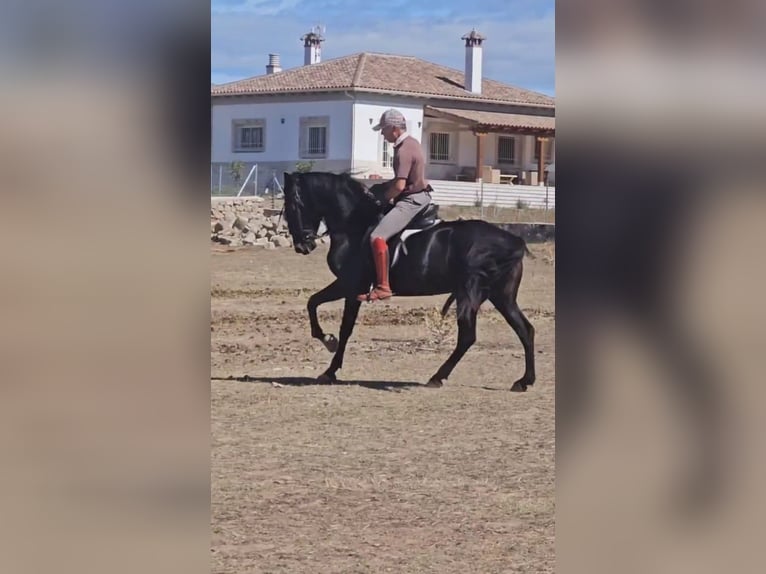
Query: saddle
x,y
426,219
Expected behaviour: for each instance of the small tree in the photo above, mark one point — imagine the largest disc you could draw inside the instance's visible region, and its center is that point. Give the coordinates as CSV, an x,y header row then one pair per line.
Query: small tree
x,y
304,166
521,204
235,171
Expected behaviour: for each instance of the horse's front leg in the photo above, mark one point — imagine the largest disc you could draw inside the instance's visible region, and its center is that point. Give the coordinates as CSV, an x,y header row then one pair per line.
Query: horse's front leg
x,y
332,292
350,313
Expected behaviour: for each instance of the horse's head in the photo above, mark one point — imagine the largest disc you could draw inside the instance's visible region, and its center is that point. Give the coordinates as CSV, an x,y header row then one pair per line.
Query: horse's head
x,y
301,215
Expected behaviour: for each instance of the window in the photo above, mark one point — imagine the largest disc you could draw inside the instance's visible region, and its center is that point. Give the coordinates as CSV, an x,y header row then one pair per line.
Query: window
x,y
388,155
313,137
317,140
249,135
439,146
506,149
548,150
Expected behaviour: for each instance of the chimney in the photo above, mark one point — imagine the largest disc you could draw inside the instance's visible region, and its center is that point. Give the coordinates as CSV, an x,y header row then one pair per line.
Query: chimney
x,y
473,50
274,66
312,47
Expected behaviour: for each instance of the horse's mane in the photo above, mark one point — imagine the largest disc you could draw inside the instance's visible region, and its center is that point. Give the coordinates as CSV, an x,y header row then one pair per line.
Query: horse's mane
x,y
352,201
334,182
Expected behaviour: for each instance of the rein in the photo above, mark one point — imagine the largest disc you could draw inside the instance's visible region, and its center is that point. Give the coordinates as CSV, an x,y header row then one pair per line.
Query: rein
x,y
312,236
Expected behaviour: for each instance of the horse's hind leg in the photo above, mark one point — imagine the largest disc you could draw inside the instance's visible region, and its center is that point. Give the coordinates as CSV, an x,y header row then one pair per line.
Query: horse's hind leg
x,y
526,332
332,292
466,336
504,300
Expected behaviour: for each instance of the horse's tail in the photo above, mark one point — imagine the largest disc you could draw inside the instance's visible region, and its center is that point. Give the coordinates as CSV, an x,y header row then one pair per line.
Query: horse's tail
x,y
450,300
517,238
528,252
500,262
523,244
474,297
494,264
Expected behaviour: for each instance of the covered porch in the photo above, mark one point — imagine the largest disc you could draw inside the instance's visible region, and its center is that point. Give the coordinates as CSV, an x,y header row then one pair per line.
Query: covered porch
x,y
497,147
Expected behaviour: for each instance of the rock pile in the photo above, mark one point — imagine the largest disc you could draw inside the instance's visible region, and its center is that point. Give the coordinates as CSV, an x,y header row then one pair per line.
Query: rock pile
x,y
244,221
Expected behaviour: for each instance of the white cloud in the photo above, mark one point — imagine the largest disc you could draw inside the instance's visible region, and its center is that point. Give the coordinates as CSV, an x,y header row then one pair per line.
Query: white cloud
x,y
255,7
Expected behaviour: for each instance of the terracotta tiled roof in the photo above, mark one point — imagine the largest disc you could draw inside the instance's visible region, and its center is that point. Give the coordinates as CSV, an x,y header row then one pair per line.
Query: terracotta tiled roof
x,y
495,120
370,72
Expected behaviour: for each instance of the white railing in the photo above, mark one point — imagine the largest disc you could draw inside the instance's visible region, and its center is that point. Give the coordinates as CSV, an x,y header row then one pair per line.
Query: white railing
x,y
487,194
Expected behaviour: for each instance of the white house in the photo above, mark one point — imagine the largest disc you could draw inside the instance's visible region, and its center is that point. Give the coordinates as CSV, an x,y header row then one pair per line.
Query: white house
x,y
323,112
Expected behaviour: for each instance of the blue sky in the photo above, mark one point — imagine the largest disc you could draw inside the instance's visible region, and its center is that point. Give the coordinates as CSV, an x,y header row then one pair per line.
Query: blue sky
x,y
519,49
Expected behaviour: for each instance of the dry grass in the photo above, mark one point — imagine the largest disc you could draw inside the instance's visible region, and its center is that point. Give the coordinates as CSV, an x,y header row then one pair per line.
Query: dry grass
x,y
498,214
545,251
442,331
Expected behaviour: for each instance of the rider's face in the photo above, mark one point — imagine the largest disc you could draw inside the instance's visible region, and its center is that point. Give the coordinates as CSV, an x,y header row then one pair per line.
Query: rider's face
x,y
390,133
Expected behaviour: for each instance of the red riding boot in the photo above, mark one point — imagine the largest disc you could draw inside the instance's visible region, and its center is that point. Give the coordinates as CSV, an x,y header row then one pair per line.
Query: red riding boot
x,y
380,257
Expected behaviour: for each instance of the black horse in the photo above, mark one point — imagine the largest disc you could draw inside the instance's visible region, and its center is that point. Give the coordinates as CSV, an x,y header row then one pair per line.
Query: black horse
x,y
471,260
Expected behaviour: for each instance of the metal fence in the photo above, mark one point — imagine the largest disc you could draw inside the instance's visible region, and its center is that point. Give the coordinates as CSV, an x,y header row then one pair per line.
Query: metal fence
x,y
242,179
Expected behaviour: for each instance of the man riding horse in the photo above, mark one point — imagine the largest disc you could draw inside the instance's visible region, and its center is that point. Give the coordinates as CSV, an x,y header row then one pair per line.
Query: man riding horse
x,y
409,191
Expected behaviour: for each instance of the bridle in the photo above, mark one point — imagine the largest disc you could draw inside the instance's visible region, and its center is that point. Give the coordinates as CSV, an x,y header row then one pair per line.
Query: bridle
x,y
308,234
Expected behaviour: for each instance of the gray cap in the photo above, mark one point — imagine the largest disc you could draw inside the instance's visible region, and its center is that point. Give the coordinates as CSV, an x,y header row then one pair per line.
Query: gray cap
x,y
393,118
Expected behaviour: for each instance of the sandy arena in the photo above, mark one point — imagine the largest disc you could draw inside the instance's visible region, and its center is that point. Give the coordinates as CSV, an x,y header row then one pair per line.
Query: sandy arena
x,y
378,473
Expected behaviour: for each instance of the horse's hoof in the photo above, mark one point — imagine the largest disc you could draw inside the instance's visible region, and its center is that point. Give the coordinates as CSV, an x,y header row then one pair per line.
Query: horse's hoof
x,y
434,383
519,387
326,379
330,343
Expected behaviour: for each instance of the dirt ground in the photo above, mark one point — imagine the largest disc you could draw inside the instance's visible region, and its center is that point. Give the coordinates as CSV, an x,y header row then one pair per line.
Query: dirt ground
x,y
379,474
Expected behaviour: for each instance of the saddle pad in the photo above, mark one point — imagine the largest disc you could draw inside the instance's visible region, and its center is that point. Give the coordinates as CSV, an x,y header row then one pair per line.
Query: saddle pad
x,y
401,247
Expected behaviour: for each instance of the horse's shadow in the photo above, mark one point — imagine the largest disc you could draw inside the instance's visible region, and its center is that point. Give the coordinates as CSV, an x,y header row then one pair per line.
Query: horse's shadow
x,y
395,386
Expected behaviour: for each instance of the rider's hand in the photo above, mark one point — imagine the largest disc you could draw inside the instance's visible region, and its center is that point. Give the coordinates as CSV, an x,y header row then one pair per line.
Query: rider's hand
x,y
375,199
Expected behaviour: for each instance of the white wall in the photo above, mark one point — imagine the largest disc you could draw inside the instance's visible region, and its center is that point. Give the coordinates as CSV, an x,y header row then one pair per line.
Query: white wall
x,y
460,151
367,143
281,140
466,151
350,125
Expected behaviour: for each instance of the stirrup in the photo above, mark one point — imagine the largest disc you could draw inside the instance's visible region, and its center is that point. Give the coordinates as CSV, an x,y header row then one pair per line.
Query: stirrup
x,y
368,297
364,297
388,294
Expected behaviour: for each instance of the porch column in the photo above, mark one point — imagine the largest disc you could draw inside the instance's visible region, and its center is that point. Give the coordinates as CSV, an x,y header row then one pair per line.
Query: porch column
x,y
479,153
541,141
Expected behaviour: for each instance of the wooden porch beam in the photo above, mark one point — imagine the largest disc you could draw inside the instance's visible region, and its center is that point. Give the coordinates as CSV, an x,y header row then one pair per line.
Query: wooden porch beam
x,y
516,129
541,141
476,127
479,153
519,131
